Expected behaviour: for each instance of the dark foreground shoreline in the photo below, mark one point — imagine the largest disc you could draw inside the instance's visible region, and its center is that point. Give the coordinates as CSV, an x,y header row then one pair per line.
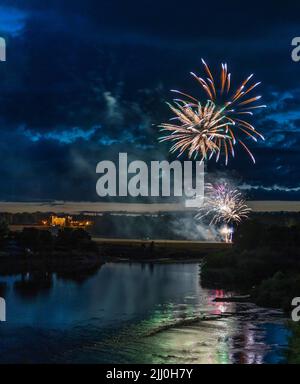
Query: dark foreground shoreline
x,y
218,269
62,264
89,254
262,264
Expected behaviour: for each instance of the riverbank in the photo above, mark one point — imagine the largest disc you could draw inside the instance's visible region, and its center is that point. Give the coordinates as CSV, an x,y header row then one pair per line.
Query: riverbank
x,y
152,250
71,264
70,251
34,250
263,262
253,265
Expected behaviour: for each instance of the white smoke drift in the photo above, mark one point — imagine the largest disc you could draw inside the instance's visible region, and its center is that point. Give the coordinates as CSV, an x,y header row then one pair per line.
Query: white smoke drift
x,y
190,229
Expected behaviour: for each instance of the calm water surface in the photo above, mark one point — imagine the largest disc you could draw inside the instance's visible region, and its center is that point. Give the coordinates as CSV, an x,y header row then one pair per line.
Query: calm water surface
x,y
133,313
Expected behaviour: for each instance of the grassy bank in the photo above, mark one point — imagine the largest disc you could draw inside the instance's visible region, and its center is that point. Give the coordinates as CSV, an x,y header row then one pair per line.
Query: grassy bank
x,y
70,252
146,250
264,261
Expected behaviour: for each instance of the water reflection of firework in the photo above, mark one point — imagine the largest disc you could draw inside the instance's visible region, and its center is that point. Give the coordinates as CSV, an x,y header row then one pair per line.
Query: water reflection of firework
x,y
216,128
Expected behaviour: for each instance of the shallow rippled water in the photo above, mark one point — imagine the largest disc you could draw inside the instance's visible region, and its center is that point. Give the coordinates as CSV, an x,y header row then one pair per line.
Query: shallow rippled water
x,y
134,313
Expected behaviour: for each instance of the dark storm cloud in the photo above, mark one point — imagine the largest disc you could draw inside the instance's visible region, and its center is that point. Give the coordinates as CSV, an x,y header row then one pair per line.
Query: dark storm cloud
x,y
168,18
86,79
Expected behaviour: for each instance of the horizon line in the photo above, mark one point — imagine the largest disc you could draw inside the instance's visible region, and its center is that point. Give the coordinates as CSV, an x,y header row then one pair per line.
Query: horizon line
x,y
77,207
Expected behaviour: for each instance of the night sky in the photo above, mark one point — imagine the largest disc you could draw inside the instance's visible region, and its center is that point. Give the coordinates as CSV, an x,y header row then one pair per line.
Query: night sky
x,y
85,80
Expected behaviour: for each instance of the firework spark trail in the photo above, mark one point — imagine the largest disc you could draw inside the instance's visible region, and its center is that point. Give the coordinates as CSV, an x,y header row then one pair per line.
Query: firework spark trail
x,y
200,128
223,205
232,106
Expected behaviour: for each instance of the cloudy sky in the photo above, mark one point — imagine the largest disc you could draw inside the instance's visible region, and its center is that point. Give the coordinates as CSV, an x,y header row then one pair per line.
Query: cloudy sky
x,y
85,80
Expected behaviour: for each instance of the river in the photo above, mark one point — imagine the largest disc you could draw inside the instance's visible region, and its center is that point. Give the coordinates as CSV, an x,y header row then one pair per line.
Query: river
x,y
133,313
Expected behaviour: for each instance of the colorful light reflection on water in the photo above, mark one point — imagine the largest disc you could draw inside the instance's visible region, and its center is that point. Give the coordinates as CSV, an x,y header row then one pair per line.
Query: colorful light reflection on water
x,y
134,313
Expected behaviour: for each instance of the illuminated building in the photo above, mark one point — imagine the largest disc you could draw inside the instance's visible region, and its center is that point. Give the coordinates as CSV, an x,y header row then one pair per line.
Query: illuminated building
x,y
58,221
66,221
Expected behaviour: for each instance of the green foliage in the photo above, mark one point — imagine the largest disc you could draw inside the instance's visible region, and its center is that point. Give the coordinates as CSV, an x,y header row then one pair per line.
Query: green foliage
x,y
4,230
264,260
67,239
278,291
35,239
293,352
249,235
